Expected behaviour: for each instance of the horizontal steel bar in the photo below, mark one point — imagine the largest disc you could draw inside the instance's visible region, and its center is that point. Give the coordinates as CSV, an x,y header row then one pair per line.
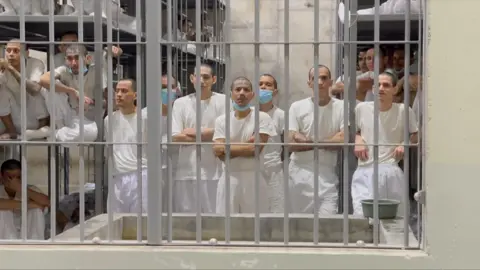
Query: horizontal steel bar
x,y
186,243
191,143
165,42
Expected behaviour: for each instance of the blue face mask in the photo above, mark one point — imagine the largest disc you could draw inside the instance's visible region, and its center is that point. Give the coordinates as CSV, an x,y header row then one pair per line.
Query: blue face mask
x,y
173,96
265,96
240,108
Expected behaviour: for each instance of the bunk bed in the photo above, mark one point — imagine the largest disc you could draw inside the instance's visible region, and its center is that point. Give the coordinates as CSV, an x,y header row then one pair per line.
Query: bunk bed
x,y
361,31
37,35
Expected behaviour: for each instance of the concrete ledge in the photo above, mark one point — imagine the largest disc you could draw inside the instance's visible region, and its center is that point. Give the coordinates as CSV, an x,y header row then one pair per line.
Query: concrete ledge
x,y
213,226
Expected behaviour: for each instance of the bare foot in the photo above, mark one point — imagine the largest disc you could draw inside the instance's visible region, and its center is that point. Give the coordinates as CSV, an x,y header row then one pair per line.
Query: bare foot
x,y
5,136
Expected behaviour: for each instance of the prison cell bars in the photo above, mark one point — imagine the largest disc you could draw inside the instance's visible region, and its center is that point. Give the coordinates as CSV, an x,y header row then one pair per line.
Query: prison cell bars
x,y
152,76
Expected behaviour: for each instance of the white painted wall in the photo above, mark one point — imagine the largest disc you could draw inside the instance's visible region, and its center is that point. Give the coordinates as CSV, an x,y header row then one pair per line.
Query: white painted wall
x,y
301,29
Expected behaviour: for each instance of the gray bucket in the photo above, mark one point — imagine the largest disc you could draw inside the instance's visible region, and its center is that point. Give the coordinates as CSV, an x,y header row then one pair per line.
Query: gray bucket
x,y
387,209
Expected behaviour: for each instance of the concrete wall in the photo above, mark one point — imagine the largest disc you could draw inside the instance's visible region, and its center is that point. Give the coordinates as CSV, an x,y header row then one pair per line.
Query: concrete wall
x,y
301,29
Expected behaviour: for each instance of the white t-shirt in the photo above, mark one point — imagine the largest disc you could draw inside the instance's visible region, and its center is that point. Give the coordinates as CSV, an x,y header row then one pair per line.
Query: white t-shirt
x,y
391,130
17,214
272,156
184,115
73,80
330,122
125,130
174,148
10,102
241,130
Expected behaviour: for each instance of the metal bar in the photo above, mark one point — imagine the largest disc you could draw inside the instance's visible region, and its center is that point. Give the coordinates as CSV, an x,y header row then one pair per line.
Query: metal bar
x,y
406,159
51,154
286,154
139,47
198,125
81,103
257,120
316,98
98,150
376,123
66,171
169,180
23,112
110,161
153,17
346,109
228,102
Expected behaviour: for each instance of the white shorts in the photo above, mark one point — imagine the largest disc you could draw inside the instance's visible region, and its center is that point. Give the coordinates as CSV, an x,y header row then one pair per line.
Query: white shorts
x,y
391,185
242,193
126,198
302,191
11,224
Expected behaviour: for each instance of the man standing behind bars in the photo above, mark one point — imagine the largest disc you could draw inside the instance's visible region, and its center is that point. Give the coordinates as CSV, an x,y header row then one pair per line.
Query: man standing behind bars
x,y
124,124
68,81
302,130
243,161
273,165
391,131
184,129
10,94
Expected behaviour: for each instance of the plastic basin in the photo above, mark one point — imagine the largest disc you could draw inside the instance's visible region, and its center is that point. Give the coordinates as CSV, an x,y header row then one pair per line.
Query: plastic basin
x,y
387,209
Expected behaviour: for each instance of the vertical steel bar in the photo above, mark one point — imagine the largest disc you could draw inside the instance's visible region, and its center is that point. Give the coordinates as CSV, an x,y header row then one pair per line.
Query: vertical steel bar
x,y
169,180
198,126
286,154
316,98
110,161
257,119
23,112
81,111
406,140
228,102
51,138
140,135
424,115
153,17
376,123
347,78
98,150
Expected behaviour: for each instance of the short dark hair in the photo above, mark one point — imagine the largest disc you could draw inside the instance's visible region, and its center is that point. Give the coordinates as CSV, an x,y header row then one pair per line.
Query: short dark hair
x,y
76,49
175,81
17,40
241,78
271,76
319,66
132,81
67,33
207,66
392,74
10,164
381,49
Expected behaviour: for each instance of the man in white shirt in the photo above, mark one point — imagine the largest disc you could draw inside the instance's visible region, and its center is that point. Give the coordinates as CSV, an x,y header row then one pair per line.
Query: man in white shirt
x,y
184,126
302,164
124,130
10,95
391,131
11,204
67,81
243,161
273,157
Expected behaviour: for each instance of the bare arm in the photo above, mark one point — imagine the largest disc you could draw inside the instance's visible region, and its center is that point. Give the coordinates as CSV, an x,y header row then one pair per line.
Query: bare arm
x,y
219,149
7,204
183,138
296,137
414,137
38,197
247,150
337,138
207,134
59,86
32,87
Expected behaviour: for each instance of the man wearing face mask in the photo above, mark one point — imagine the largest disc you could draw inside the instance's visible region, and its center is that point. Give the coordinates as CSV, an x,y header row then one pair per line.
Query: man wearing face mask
x,y
273,165
67,81
242,157
302,130
184,123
